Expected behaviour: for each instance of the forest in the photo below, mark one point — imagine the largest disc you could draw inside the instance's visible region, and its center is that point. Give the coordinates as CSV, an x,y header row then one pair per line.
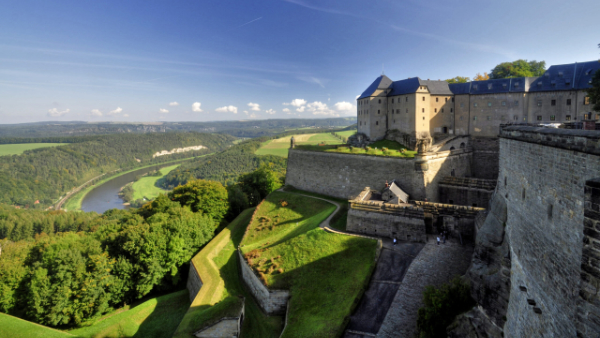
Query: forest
x,y
63,269
240,128
43,175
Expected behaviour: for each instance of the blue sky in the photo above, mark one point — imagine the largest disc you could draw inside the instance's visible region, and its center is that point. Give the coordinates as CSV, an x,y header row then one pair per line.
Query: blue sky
x,y
222,60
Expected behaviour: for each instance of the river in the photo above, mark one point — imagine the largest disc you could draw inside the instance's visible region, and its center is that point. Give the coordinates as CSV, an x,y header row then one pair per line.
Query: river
x,y
106,195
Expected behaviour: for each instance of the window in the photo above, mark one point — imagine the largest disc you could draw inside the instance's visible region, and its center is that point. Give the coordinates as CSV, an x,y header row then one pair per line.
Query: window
x,y
422,110
392,100
378,111
516,85
597,116
474,118
423,98
407,110
436,99
505,181
460,118
376,123
397,111
394,121
523,194
462,105
489,104
435,110
504,103
553,103
516,117
568,102
487,118
442,110
379,100
445,130
550,207
475,104
516,102
539,117
475,87
406,99
586,100
552,117
452,99
539,103
423,117
446,99
560,74
489,86
568,118
451,110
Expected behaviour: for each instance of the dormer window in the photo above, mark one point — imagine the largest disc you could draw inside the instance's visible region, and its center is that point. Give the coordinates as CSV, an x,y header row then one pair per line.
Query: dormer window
x,y
553,83
567,82
516,85
547,74
539,83
489,86
588,72
560,74
475,87
504,85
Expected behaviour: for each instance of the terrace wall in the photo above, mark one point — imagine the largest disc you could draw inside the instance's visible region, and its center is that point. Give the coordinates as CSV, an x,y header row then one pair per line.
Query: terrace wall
x,y
271,301
194,283
403,223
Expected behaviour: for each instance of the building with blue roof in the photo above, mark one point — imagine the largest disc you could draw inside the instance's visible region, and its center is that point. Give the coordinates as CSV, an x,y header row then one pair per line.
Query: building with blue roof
x,y
414,109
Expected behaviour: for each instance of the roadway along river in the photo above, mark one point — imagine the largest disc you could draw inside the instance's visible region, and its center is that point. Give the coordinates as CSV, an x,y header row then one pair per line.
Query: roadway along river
x,y
106,195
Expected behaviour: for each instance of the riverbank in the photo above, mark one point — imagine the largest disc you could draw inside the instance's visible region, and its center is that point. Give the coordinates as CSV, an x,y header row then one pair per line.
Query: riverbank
x,y
146,188
73,202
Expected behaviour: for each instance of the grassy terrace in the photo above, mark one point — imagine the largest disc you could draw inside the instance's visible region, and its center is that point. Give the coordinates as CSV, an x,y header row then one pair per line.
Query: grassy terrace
x,y
148,187
217,265
18,328
326,273
280,146
394,149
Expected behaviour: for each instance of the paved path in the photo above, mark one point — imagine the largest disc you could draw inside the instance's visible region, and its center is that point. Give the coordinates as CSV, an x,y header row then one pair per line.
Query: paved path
x,y
435,265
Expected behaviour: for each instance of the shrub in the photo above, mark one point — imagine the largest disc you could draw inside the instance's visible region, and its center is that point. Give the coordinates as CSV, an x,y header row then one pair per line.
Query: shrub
x,y
442,306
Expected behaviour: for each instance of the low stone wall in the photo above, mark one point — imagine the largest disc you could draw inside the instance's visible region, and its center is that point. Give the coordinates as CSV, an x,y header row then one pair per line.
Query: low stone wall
x,y
466,191
225,327
409,227
271,301
194,283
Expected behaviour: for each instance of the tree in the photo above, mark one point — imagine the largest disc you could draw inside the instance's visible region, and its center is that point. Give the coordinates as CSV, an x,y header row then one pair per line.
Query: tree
x,y
259,183
518,68
479,77
458,79
594,91
208,197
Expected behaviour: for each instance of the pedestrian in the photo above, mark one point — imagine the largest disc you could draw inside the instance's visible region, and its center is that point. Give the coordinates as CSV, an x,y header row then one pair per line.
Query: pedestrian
x,y
438,241
395,241
444,239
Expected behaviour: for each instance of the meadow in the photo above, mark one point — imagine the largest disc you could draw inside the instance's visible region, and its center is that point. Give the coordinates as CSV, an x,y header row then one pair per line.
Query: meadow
x,y
280,146
378,148
18,149
148,186
326,273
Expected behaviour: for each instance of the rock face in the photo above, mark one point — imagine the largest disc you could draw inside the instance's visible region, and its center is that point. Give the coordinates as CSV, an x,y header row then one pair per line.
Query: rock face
x,y
489,275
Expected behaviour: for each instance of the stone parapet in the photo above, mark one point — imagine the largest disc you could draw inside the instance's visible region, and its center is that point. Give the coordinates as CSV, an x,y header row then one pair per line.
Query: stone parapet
x,y
449,209
272,302
409,226
587,141
469,182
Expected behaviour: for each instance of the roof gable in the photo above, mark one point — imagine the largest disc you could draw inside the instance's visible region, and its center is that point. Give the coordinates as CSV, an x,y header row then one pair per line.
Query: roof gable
x,y
382,82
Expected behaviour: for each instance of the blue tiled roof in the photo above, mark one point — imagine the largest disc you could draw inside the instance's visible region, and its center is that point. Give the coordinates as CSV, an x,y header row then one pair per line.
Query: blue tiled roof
x,y
405,86
373,87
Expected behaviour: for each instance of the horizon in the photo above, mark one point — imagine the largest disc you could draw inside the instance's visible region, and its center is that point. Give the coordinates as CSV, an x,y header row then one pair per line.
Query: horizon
x,y
231,60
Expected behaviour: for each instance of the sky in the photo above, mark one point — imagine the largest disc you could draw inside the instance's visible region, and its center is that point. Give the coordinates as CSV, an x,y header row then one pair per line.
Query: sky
x,y
208,60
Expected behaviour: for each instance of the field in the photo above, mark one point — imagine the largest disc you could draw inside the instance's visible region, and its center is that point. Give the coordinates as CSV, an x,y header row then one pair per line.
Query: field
x,y
326,273
17,149
146,187
156,317
217,265
18,328
280,146
346,133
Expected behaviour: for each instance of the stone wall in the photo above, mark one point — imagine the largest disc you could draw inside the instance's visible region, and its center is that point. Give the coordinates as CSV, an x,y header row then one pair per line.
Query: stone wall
x,y
271,301
542,176
406,226
466,191
588,310
224,327
345,175
194,283
485,157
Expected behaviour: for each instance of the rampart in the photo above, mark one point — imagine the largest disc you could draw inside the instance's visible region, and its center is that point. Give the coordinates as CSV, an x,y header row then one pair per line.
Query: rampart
x,y
271,301
551,232
466,191
346,175
194,283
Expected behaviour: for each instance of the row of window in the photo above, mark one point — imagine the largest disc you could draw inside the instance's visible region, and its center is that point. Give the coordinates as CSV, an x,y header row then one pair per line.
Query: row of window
x,y
586,101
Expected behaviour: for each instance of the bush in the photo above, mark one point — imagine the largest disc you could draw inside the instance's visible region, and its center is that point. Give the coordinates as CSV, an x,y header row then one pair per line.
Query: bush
x,y
442,306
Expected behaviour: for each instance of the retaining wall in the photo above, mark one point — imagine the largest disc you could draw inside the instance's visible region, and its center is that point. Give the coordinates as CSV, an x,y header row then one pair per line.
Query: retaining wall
x,y
406,228
194,283
271,301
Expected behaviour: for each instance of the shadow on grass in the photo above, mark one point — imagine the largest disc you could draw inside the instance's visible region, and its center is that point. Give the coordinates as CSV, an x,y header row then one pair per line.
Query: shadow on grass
x,y
165,318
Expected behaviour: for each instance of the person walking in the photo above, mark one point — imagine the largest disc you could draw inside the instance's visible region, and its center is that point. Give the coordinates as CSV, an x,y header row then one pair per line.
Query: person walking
x,y
395,241
438,240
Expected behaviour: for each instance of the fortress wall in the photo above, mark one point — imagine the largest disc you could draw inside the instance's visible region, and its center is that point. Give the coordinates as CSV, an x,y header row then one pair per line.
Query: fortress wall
x,y
485,157
542,181
345,176
406,228
493,110
271,301
194,283
441,166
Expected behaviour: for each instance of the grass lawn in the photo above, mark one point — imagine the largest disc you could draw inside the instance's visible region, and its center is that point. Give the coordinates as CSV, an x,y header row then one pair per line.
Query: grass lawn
x,y
326,273
394,149
147,186
156,317
217,265
17,149
280,146
339,220
346,133
18,328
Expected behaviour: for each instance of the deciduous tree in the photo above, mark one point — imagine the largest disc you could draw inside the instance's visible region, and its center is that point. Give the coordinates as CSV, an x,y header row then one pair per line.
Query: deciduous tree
x,y
518,68
458,79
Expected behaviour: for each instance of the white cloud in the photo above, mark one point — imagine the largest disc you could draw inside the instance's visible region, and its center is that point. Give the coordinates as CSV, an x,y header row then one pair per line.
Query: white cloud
x,y
163,111
174,104
116,111
55,113
254,106
252,115
301,109
246,112
270,111
320,108
196,107
286,110
96,112
231,109
126,115
345,106
298,102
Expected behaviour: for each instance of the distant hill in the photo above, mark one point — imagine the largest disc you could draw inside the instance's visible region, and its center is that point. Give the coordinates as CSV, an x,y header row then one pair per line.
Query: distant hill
x,y
241,128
